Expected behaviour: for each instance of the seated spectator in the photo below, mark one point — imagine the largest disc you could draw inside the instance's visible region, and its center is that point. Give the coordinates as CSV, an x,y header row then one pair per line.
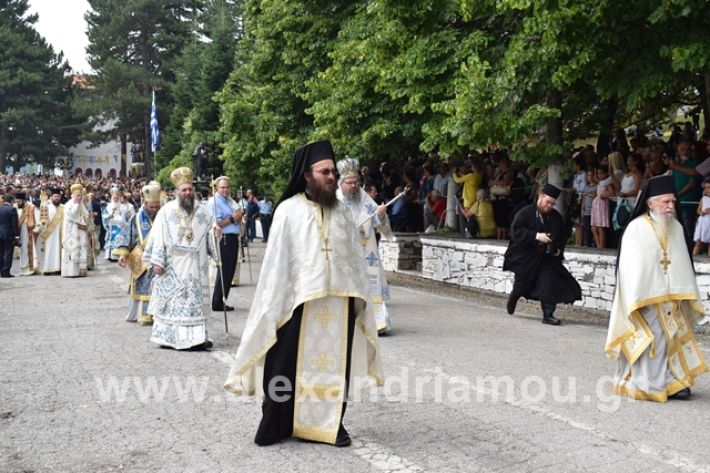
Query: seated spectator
x,y
482,212
435,208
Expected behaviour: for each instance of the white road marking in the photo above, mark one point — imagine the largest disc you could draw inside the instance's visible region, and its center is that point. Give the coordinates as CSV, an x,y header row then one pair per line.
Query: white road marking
x,y
379,456
668,457
382,458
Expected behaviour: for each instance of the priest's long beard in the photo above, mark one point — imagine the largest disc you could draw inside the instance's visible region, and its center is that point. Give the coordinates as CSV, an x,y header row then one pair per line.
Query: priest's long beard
x,y
187,203
663,220
322,196
353,196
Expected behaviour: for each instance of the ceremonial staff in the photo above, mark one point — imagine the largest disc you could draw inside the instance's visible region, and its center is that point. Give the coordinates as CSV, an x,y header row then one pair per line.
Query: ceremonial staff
x,y
219,256
406,189
244,247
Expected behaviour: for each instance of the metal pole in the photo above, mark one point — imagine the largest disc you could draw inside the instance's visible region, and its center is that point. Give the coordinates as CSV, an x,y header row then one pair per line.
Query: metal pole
x,y
219,256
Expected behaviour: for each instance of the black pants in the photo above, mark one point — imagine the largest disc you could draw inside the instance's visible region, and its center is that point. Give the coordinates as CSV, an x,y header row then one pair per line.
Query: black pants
x,y
277,414
229,246
265,225
524,286
6,253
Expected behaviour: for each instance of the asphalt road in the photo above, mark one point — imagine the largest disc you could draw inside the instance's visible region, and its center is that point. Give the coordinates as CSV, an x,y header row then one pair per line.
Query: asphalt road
x,y
469,388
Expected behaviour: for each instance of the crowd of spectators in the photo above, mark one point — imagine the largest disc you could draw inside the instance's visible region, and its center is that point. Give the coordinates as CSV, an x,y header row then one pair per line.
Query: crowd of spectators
x,y
478,195
599,189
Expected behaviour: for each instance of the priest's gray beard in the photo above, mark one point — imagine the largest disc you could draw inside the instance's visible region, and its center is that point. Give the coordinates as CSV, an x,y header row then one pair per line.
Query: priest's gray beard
x,y
321,195
664,220
353,196
187,203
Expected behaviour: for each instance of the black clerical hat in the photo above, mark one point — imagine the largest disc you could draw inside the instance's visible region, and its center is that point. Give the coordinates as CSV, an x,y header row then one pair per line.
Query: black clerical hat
x,y
551,190
658,185
55,190
21,196
303,159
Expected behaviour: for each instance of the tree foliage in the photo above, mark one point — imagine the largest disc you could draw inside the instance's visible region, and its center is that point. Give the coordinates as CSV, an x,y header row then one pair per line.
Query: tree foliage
x,y
133,47
36,119
202,70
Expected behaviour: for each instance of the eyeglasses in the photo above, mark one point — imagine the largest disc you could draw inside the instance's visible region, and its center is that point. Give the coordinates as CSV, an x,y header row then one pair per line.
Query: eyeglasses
x,y
326,172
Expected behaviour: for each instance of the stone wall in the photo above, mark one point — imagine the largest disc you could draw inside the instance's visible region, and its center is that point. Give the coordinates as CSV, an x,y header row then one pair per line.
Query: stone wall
x,y
479,264
403,252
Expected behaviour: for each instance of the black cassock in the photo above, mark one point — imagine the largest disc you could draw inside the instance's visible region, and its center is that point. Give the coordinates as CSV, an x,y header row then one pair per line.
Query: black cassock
x,y
539,273
277,420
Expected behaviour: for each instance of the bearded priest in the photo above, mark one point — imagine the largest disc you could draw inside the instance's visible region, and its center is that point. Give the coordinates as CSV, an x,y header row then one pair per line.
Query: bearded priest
x,y
368,217
656,303
180,243
75,238
310,337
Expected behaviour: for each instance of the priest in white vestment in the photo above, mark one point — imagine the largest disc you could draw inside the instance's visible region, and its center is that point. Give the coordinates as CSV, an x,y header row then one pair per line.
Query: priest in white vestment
x,y
368,217
28,218
310,337
51,215
115,217
130,245
181,242
656,303
75,238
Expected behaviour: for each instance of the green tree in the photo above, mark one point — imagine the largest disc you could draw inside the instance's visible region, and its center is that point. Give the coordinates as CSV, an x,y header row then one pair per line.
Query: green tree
x,y
133,46
35,90
202,70
263,104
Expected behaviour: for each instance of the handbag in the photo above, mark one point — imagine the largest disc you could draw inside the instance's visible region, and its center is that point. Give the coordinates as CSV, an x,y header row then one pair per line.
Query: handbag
x,y
622,214
500,190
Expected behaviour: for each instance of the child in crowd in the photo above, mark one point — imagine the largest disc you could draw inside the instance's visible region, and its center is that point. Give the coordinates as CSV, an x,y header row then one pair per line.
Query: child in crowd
x,y
702,228
600,207
590,190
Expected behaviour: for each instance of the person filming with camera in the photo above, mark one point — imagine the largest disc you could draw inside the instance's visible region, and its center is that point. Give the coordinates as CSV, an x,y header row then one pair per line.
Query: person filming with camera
x,y
535,255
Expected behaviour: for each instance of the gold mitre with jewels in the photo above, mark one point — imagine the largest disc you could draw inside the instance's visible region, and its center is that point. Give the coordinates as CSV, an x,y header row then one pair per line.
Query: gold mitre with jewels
x,y
76,188
151,192
181,175
348,167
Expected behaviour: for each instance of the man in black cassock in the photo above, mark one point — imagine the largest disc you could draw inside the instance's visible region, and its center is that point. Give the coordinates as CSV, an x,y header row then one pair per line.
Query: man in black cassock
x,y
309,338
535,255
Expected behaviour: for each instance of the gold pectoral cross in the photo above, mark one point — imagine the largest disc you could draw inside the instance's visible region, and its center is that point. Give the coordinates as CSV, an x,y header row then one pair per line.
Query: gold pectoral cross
x,y
665,262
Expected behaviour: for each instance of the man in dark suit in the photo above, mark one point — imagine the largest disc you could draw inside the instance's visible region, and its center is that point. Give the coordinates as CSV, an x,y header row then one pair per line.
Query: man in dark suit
x,y
9,235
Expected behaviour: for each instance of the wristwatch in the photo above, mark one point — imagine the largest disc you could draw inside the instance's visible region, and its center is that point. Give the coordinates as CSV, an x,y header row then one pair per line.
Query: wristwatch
x,y
231,219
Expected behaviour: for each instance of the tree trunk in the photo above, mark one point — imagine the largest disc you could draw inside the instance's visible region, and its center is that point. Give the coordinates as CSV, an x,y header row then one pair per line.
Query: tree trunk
x,y
554,124
705,95
3,146
606,125
124,154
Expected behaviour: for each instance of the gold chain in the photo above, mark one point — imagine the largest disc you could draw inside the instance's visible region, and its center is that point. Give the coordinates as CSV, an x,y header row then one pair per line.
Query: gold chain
x,y
185,224
663,240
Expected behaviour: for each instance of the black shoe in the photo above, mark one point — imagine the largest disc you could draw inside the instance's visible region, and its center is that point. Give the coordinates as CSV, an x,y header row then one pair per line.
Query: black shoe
x,y
682,395
206,345
343,440
550,320
7,276
228,308
512,303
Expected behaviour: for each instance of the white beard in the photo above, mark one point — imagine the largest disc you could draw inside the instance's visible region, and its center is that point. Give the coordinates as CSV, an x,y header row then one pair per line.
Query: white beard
x,y
664,221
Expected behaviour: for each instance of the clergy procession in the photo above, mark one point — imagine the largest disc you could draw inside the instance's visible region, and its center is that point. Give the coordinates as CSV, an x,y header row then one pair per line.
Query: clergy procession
x,y
312,338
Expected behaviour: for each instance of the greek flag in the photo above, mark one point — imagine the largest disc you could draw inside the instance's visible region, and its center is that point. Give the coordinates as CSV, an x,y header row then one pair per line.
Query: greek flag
x,y
154,130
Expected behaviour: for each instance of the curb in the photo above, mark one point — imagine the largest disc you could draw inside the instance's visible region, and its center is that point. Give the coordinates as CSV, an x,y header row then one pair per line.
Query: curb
x,y
566,313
